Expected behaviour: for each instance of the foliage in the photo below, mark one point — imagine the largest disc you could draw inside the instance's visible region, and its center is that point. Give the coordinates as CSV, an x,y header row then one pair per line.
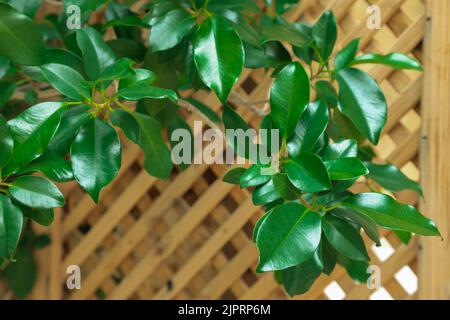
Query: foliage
x,y
325,116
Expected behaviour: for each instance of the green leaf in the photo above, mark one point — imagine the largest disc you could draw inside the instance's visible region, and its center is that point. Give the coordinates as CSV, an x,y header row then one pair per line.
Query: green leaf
x,y
392,178
345,56
326,92
395,60
7,89
158,160
310,127
289,97
186,154
345,168
52,166
32,131
324,33
347,148
204,109
125,121
169,29
127,48
300,278
6,143
11,223
4,66
21,40
71,121
258,224
271,55
233,176
143,89
357,270
21,274
96,156
214,42
96,53
361,99
121,68
44,217
237,127
284,187
369,226
344,238
265,194
27,7
66,80
308,173
254,176
328,255
36,192
404,236
287,237
139,75
281,30
390,214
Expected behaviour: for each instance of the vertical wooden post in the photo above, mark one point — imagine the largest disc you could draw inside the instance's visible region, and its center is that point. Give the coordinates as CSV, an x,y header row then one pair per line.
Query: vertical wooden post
x,y
434,259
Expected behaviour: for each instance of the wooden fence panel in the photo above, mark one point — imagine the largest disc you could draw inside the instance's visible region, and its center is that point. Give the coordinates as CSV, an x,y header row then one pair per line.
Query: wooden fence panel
x,y
190,237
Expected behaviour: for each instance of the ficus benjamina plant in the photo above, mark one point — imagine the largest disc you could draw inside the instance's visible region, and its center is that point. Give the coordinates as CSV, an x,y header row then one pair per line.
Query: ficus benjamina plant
x,y
328,112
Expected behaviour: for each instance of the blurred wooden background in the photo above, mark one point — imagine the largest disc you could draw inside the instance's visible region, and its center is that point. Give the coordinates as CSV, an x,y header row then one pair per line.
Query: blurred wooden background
x,y
191,237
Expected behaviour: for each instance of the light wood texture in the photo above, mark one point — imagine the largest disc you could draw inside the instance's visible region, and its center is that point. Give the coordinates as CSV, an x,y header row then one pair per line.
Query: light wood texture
x,y
434,266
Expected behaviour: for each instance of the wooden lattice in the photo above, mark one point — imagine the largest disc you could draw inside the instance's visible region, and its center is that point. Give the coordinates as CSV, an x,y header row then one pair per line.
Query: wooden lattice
x,y
190,237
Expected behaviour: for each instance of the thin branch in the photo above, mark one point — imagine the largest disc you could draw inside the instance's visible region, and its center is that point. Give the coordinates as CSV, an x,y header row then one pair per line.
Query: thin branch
x,y
252,105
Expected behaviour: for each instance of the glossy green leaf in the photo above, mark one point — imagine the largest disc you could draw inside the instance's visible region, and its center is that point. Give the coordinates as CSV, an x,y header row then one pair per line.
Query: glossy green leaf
x,y
271,55
96,156
21,40
326,92
392,178
254,176
344,238
310,127
4,66
32,131
125,121
369,226
345,56
140,74
347,148
259,223
44,217
66,80
395,60
170,29
361,99
11,223
289,97
328,255
52,166
284,187
404,236
36,192
205,110
121,68
265,194
390,214
287,237
158,160
300,278
6,143
324,33
27,7
218,55
281,30
357,270
71,121
233,176
308,173
143,89
7,89
345,168
96,53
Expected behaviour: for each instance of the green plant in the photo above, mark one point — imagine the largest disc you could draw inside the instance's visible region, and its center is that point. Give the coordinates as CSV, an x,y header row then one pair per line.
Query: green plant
x,y
312,220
